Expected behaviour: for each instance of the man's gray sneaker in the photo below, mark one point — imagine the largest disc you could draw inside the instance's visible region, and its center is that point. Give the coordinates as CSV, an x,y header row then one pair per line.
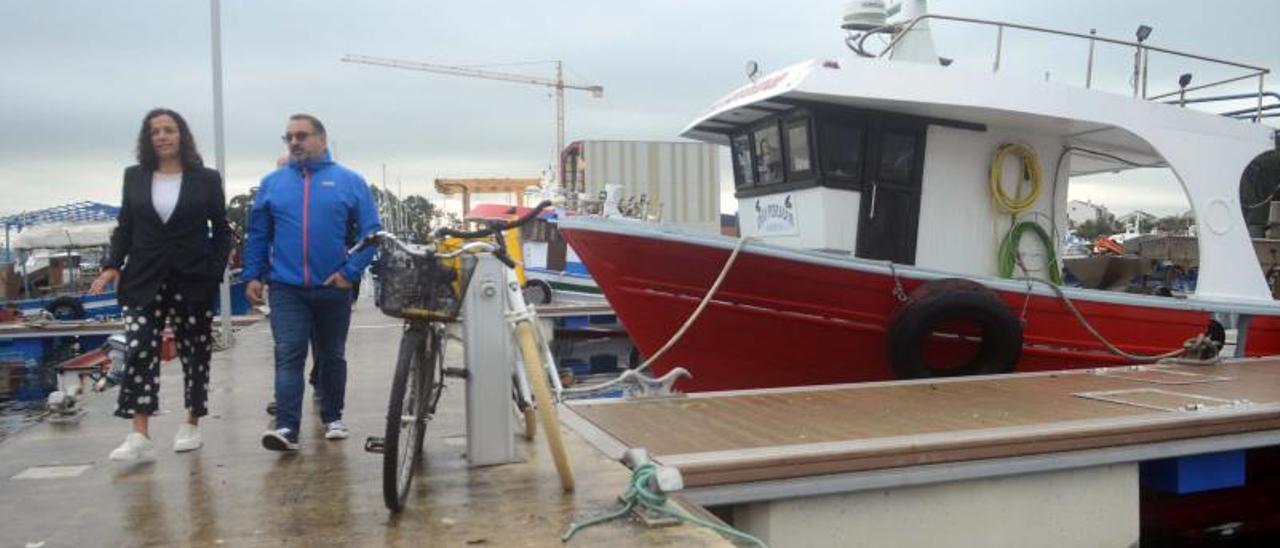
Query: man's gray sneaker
x,y
281,439
336,431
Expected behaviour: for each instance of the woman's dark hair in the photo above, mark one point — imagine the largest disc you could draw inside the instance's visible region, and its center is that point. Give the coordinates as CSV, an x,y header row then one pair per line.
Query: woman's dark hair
x,y
187,153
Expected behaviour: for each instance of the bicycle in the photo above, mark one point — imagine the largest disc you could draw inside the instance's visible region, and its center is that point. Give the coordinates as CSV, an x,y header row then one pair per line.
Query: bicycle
x,y
425,286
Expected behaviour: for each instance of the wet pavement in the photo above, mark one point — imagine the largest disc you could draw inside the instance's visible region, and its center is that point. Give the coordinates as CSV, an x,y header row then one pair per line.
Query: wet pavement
x,y
18,415
232,492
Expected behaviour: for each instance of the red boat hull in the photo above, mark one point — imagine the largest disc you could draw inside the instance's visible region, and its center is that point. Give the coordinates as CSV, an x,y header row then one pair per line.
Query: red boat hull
x,y
780,322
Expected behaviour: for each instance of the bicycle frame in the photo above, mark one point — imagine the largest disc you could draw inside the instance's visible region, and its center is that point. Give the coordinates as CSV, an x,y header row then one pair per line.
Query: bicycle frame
x,y
518,310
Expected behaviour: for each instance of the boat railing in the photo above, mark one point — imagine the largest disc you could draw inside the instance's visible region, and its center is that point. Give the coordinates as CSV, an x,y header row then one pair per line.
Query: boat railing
x,y
1141,53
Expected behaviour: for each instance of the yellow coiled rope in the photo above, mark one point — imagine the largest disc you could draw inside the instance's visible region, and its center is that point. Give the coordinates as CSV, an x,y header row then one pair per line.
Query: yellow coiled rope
x,y
1007,256
1031,169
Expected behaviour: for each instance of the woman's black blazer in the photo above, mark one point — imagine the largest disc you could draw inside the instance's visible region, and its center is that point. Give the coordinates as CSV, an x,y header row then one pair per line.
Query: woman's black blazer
x,y
189,251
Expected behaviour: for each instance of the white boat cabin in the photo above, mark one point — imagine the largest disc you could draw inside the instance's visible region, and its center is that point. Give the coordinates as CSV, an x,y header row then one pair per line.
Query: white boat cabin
x,y
892,160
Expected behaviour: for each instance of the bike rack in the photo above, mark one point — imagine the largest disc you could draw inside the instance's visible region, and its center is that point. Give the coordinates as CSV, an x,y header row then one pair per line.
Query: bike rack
x,y
489,355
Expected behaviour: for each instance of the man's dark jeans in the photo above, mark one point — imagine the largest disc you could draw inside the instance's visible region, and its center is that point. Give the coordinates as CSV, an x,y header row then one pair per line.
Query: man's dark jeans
x,y
300,315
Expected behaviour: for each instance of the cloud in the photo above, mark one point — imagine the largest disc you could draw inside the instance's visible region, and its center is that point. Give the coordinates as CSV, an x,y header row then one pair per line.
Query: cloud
x,y
79,74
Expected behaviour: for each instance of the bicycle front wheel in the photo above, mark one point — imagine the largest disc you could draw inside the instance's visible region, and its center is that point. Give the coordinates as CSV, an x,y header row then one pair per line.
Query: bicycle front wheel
x,y
543,402
411,389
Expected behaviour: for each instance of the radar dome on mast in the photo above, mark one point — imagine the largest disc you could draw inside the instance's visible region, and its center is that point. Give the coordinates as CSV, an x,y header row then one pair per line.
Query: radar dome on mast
x,y
864,15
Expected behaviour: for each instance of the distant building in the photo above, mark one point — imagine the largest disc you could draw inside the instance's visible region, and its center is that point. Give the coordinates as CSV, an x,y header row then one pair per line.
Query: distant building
x,y
1080,212
1139,220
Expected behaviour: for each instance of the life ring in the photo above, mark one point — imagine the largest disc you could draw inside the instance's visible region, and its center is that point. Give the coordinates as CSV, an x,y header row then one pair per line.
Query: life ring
x,y
951,299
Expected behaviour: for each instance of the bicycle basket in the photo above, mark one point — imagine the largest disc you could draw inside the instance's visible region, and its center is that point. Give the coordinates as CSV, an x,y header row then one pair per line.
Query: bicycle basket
x,y
406,286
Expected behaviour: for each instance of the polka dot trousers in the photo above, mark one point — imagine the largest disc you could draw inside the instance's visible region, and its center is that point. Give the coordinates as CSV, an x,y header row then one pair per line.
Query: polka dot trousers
x,y
144,327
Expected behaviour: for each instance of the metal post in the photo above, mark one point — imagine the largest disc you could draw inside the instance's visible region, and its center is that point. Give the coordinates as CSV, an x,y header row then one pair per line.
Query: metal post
x,y
1137,69
999,45
1261,90
220,156
1088,74
555,176
490,356
1146,59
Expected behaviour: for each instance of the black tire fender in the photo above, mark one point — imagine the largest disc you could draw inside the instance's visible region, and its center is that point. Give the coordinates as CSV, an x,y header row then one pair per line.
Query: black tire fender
x,y
947,299
66,307
537,292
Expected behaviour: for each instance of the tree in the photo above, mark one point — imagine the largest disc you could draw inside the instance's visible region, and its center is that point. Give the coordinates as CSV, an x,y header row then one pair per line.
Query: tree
x,y
414,217
238,212
1173,224
420,217
1105,225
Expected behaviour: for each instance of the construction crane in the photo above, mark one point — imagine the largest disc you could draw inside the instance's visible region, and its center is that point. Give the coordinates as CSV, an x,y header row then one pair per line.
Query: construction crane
x,y
558,84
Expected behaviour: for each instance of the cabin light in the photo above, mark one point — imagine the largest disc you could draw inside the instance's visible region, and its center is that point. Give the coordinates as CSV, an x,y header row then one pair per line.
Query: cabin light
x,y
1142,33
1183,82
830,64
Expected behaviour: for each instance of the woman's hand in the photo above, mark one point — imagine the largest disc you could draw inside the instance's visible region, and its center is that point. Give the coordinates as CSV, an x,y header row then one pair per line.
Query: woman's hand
x,y
108,277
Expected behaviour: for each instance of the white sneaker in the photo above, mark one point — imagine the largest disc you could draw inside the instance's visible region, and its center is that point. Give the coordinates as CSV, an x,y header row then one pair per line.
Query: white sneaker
x,y
187,438
336,431
136,448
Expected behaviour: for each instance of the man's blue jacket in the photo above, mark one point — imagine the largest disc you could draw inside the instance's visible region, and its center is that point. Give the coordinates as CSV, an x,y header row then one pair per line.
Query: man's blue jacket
x,y
299,222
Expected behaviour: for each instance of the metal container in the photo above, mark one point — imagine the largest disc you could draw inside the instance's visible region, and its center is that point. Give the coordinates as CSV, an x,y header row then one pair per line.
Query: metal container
x,y
680,179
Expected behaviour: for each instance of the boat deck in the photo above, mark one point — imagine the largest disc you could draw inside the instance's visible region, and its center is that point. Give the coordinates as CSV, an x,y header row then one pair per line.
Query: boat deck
x,y
728,438
57,487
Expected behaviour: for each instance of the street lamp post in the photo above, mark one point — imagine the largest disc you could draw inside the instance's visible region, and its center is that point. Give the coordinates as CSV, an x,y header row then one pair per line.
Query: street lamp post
x,y
220,156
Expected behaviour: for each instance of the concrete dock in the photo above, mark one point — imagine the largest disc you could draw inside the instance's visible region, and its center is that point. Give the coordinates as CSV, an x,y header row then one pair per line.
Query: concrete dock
x,y
57,487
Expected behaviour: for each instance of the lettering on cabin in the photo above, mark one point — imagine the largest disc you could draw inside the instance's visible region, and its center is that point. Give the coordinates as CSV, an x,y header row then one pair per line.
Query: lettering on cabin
x,y
776,216
750,89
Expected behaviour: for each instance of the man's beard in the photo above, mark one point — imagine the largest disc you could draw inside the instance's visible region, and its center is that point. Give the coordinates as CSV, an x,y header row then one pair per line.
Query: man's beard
x,y
302,155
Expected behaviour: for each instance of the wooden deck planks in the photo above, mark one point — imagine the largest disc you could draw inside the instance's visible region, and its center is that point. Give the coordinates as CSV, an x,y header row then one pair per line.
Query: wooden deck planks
x,y
772,434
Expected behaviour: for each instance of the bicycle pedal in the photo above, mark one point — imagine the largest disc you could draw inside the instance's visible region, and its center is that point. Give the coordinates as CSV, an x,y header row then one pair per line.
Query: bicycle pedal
x,y
456,372
374,444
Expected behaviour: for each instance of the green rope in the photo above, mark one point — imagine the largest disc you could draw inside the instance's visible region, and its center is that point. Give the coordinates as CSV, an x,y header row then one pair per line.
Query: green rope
x,y
1008,255
638,493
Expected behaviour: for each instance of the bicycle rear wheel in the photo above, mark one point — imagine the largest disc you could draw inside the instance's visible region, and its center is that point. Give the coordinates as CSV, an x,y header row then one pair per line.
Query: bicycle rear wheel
x,y
411,392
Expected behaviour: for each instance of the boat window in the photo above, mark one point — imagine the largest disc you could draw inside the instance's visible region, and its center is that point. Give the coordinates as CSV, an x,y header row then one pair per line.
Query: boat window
x,y
897,156
743,174
798,157
842,150
768,155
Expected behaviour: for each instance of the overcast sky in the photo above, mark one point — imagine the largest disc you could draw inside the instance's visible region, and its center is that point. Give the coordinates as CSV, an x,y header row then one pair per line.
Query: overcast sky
x,y
79,74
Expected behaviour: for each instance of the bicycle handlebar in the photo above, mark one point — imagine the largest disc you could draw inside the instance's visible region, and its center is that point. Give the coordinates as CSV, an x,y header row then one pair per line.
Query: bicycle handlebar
x,y
468,247
495,227
382,235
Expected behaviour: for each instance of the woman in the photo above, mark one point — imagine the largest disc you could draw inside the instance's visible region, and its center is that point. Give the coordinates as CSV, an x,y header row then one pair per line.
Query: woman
x,y
168,252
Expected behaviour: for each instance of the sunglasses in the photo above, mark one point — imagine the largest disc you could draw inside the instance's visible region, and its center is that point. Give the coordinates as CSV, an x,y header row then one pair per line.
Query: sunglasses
x,y
299,136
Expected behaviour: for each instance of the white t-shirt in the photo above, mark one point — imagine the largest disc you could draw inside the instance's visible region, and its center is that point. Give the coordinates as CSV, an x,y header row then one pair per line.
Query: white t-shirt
x,y
164,193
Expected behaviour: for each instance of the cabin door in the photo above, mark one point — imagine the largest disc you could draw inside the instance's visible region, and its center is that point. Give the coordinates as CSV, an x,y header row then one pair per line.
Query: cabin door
x,y
890,210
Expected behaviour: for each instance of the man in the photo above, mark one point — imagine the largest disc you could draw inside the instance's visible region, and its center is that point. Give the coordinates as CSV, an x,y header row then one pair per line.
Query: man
x,y
297,242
